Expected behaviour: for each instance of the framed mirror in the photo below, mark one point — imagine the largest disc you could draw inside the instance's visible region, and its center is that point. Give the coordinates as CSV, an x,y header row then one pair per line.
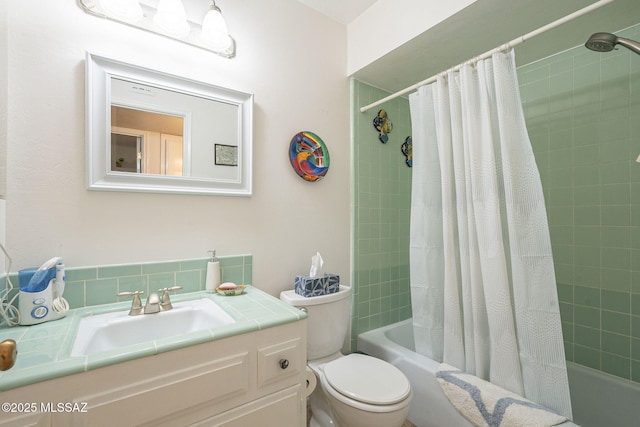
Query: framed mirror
x,y
152,131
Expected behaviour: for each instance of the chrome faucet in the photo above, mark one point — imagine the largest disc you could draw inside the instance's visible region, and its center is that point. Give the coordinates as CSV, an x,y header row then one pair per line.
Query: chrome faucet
x,y
154,303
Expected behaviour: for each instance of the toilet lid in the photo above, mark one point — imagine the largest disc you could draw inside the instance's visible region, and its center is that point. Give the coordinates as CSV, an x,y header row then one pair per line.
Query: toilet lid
x,y
367,379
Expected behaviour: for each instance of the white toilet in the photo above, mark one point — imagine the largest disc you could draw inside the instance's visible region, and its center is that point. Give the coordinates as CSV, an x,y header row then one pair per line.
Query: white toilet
x,y
353,390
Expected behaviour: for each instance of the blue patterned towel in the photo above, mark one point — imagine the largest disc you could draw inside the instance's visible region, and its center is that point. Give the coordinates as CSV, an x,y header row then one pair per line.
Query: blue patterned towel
x,y
487,405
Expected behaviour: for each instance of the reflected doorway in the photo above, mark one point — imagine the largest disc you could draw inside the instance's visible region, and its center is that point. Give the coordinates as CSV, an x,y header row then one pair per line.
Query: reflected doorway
x,y
146,142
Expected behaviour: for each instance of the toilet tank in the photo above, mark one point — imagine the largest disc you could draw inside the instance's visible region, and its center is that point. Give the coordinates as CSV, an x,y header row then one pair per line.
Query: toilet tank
x,y
327,322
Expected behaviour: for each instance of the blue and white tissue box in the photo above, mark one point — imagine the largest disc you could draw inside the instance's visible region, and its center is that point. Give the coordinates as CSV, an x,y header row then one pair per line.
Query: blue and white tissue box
x,y
315,286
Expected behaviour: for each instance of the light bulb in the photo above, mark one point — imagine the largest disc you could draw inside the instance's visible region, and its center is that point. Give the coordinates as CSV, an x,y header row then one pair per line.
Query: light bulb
x,y
214,30
171,18
125,10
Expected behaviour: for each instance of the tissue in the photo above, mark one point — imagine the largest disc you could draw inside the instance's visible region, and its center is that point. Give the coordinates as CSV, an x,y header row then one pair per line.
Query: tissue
x,y
316,265
312,381
316,283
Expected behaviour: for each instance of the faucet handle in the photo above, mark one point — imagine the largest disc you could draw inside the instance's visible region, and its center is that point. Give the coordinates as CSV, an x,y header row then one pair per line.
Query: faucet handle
x,y
135,294
171,289
136,303
165,301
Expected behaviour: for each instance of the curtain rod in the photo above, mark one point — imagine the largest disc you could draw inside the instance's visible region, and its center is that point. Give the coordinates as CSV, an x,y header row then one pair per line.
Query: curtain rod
x,y
487,54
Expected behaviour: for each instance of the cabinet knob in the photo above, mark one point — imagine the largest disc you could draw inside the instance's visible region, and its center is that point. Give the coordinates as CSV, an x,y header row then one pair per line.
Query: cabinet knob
x,y
284,363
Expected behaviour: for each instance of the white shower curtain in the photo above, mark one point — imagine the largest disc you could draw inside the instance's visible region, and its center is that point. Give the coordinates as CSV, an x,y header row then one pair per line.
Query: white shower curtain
x,y
482,279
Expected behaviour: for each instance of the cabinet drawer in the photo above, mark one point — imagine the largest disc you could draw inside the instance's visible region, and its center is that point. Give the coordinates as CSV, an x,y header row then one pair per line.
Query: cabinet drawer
x,y
280,409
164,395
26,419
279,361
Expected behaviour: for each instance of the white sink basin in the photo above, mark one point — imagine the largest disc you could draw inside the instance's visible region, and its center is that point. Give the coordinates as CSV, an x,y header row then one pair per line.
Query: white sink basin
x,y
109,331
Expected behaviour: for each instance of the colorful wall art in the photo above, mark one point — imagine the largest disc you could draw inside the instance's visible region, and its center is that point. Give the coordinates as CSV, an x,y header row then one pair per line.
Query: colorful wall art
x,y
309,156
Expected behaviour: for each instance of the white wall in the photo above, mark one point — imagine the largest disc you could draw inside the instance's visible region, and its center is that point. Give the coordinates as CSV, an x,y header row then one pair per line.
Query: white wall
x,y
3,103
388,24
292,58
3,130
3,259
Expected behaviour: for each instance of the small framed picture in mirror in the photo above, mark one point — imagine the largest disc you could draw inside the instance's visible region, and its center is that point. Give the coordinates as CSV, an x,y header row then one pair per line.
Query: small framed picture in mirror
x,y
226,155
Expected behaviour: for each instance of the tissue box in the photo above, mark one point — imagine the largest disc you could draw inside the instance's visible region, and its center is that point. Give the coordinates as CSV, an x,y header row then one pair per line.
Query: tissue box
x,y
316,286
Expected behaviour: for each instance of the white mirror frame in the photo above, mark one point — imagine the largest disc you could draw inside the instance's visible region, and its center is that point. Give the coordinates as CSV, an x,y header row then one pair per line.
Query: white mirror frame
x,y
99,71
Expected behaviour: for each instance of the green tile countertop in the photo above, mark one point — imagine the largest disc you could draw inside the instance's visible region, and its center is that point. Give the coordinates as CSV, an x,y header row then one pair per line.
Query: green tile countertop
x,y
43,349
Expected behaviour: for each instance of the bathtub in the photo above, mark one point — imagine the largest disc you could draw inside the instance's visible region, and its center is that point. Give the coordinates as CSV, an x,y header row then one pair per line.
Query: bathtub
x,y
597,399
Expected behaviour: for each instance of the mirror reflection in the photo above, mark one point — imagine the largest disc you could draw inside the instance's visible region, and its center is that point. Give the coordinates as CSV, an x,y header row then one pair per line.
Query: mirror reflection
x,y
170,132
146,142
152,131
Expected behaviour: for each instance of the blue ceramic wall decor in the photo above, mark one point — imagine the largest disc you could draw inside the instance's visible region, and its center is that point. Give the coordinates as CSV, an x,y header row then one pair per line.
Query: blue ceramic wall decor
x,y
407,150
383,125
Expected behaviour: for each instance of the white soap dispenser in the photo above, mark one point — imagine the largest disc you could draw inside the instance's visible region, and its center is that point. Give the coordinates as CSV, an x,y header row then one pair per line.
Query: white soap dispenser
x,y
212,280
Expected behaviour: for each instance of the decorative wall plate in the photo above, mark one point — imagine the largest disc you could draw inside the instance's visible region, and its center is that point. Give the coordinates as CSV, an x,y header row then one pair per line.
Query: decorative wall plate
x,y
407,150
309,156
384,125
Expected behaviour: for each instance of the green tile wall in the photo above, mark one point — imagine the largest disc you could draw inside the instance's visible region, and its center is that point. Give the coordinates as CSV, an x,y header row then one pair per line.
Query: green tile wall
x,y
380,214
583,115
86,286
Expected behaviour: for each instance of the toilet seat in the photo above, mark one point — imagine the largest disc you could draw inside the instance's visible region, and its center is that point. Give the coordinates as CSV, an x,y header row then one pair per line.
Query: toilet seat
x,y
367,379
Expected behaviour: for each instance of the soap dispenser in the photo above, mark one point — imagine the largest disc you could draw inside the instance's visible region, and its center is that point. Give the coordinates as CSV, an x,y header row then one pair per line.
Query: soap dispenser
x,y
213,273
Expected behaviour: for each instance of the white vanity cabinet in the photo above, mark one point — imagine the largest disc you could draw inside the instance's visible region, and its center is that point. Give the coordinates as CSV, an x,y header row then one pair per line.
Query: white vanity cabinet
x,y
251,379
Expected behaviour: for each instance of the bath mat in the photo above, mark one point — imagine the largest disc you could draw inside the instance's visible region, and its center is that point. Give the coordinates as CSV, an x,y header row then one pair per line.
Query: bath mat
x,y
487,405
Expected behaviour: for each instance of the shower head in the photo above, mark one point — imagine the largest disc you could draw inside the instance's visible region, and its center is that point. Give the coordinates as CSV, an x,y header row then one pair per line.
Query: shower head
x,y
605,42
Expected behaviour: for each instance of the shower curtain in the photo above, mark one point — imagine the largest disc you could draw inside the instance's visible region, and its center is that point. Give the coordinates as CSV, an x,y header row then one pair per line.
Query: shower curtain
x,y
482,279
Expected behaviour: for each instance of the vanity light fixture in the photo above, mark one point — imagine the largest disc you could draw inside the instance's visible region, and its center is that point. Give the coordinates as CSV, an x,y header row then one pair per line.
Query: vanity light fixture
x,y
175,19
126,10
214,29
171,18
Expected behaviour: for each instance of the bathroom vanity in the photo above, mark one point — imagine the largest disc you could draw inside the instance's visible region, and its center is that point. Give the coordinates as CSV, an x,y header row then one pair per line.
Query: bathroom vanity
x,y
252,374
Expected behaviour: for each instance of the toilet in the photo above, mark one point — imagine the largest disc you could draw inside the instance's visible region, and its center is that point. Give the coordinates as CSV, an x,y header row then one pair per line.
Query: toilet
x,y
354,390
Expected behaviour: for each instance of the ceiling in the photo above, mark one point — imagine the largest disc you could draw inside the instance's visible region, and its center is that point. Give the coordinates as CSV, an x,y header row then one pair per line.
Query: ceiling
x,y
343,11
481,27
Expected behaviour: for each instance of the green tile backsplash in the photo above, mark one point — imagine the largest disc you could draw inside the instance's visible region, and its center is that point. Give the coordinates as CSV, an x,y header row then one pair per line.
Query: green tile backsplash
x,y
86,286
582,111
380,214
